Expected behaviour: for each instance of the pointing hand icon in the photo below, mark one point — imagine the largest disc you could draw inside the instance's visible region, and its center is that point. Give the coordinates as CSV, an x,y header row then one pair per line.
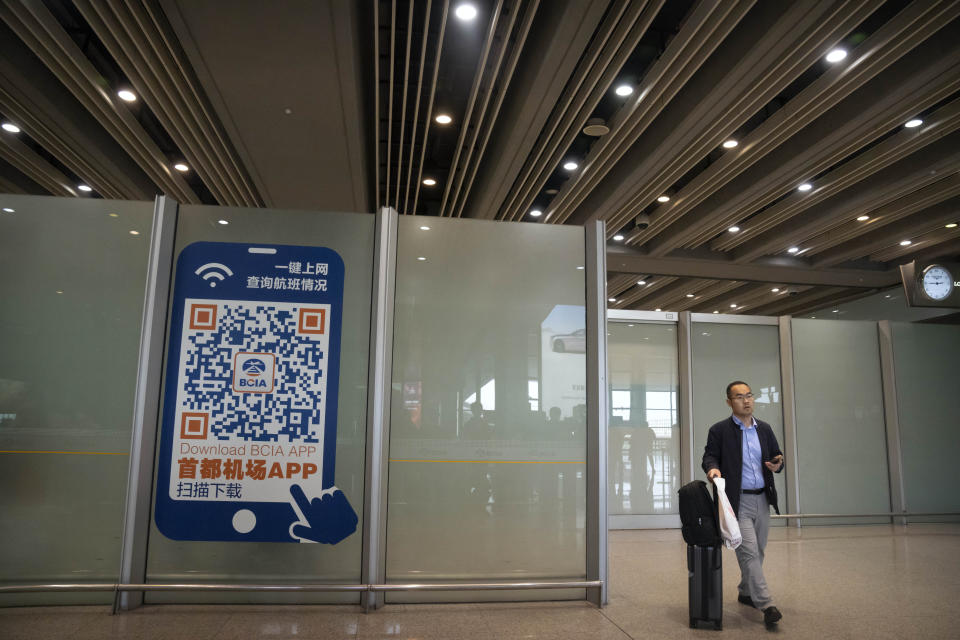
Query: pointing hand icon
x,y
329,518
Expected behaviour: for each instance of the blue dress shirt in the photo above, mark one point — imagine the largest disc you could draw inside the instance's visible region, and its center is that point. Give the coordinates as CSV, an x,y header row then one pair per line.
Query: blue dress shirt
x,y
752,475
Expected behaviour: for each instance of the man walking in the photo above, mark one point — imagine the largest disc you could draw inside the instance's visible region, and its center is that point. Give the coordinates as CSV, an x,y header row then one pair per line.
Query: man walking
x,y
744,451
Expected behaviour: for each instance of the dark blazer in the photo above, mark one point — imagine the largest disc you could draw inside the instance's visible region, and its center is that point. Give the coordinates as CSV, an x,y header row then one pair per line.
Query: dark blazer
x,y
724,452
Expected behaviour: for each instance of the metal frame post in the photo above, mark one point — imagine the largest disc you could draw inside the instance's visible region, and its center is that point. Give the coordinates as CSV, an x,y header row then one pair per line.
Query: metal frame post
x,y
685,375
596,520
891,414
146,411
789,419
373,565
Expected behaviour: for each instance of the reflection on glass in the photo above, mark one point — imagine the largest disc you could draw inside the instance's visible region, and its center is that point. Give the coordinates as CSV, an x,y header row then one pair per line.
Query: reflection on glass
x,y
71,298
644,439
487,434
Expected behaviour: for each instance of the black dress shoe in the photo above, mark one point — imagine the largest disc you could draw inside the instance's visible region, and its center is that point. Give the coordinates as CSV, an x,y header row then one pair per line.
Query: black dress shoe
x,y
747,600
771,615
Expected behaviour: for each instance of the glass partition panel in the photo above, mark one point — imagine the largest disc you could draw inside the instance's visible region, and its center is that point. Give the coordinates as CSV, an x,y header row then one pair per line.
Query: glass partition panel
x,y
722,353
74,271
841,435
487,433
643,472
926,359
352,237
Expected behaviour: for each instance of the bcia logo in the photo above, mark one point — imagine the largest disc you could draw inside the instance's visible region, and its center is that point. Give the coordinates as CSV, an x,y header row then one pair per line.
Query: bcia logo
x,y
253,372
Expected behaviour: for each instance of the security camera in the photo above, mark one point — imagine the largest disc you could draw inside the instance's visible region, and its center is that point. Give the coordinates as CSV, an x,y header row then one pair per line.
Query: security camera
x,y
642,221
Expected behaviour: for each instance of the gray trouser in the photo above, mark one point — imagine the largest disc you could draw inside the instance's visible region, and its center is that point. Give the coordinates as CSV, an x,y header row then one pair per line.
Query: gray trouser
x,y
754,520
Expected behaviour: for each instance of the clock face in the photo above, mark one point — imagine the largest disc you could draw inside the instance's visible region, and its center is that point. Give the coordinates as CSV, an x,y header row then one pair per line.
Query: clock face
x,y
937,282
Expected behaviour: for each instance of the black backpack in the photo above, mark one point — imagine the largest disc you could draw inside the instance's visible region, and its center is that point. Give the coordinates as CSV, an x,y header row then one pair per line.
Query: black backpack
x,y
698,514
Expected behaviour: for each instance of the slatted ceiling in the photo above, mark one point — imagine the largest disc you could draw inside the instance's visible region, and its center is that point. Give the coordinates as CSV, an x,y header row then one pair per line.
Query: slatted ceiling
x,y
621,31
876,239
807,299
35,167
749,294
57,141
925,87
919,241
702,31
617,284
932,203
846,177
138,37
666,296
711,291
37,27
8,186
794,36
914,24
633,296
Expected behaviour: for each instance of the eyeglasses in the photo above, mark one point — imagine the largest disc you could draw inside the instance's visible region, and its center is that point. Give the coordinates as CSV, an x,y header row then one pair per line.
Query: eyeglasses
x,y
742,396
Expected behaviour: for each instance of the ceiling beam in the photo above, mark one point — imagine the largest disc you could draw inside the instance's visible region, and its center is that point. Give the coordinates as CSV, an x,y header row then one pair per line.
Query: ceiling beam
x,y
630,261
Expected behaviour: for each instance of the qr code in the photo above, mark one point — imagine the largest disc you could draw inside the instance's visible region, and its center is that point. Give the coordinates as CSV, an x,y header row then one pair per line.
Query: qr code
x,y
256,371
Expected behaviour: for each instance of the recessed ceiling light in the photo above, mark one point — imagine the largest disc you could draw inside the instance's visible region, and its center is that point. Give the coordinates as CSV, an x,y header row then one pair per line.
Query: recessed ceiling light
x,y
624,90
904,243
60,291
663,199
611,299
733,306
618,237
916,122
424,228
84,188
641,282
114,215
733,229
8,210
793,249
223,222
181,167
134,232
126,95
862,218
570,165
465,12
429,182
579,268
421,259
9,126
775,289
952,225
596,127
689,295
716,311
806,186
657,309
730,144
836,55
836,311
536,213
887,296
443,119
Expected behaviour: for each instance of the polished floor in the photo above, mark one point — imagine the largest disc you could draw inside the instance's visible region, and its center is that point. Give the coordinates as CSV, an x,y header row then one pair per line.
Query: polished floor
x,y
830,582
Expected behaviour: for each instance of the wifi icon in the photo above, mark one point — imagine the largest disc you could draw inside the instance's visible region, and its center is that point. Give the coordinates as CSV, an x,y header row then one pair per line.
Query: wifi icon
x,y
214,271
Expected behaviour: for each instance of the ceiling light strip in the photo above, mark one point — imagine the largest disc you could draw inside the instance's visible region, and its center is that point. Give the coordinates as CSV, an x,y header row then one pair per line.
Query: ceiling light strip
x,y
490,120
403,109
601,66
789,44
43,34
471,103
702,31
911,26
416,105
429,118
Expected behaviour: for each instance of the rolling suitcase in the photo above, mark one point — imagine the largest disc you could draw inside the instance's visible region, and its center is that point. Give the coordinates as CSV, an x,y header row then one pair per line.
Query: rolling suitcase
x,y
705,567
701,531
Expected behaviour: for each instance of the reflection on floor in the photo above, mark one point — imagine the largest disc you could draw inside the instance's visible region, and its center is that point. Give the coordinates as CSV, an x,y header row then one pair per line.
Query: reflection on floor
x,y
830,582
